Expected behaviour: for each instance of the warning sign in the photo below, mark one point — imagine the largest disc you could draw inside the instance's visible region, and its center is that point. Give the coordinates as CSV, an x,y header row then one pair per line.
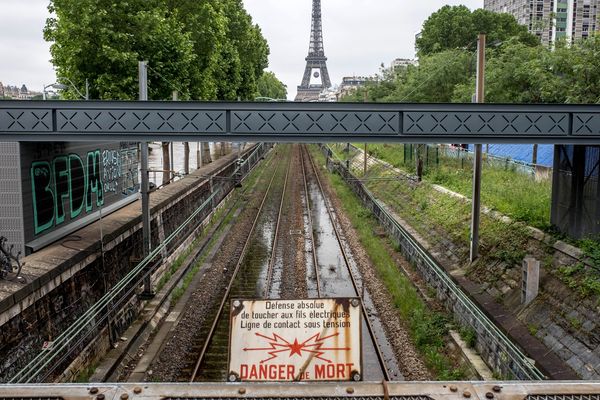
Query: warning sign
x,y
295,340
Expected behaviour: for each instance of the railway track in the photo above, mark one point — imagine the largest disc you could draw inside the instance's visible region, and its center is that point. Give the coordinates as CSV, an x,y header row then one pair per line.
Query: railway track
x,y
211,364
371,344
253,275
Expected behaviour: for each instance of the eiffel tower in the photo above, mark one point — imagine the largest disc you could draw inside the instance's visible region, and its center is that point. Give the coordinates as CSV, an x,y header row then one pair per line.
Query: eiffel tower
x,y
315,60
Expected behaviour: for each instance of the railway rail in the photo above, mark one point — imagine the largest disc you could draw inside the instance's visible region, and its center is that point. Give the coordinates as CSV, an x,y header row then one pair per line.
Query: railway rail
x,y
357,292
221,311
210,362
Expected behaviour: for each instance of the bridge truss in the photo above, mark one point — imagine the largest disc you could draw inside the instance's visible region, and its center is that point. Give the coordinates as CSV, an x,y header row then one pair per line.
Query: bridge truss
x,y
298,122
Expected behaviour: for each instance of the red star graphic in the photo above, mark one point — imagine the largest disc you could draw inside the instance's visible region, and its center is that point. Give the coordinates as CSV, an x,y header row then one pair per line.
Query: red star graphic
x,y
296,348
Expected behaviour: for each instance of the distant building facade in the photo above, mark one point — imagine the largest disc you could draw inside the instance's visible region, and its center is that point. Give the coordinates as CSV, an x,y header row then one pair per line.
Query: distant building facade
x,y
350,84
402,63
552,20
9,92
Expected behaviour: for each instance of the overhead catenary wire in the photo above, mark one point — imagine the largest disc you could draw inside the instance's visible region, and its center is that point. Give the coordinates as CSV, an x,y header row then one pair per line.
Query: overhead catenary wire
x,y
474,54
173,85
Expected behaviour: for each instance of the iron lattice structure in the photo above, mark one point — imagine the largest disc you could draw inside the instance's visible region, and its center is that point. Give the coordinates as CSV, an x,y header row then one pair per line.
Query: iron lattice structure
x,y
315,60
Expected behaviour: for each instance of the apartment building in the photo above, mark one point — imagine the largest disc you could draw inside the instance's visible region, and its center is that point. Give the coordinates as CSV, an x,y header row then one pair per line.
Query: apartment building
x,y
551,20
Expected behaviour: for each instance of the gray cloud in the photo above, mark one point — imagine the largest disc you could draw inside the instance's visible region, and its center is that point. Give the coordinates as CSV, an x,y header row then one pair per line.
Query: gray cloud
x,y
359,36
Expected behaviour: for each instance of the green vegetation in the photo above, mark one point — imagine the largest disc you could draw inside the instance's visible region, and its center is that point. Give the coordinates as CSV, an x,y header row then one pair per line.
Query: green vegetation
x,y
468,335
518,70
271,87
453,27
178,262
209,50
580,279
591,249
575,323
533,329
85,375
514,194
428,329
449,216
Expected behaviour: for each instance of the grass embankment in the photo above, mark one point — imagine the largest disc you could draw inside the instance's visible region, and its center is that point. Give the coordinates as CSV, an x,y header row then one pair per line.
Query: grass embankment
x,y
428,329
512,193
427,210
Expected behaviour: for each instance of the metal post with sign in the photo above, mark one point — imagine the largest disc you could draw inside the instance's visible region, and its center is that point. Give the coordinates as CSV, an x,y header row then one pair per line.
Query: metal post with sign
x,y
295,340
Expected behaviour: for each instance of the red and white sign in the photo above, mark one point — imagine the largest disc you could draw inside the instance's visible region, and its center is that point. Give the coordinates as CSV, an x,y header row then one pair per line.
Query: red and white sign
x,y
295,340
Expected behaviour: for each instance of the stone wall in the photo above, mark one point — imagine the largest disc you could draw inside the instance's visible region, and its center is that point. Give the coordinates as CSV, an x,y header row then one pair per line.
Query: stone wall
x,y
67,278
501,355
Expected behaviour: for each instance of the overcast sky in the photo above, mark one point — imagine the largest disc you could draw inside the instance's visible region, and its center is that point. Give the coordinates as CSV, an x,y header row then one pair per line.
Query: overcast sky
x,y
359,35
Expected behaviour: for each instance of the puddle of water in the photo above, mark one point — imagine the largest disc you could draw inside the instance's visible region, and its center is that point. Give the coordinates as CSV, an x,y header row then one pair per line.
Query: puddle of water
x,y
336,282
311,278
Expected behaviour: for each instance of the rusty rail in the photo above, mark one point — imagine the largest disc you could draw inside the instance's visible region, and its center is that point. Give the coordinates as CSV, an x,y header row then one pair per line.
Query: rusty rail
x,y
232,281
380,357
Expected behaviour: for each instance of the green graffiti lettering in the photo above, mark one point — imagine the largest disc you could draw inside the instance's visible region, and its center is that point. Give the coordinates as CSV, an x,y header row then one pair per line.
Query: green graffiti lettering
x,y
77,185
43,197
62,180
94,181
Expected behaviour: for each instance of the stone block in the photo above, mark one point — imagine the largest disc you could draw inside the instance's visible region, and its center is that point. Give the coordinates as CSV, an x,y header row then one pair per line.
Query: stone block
x,y
564,353
552,343
588,326
566,248
588,372
578,348
575,363
568,341
588,357
556,331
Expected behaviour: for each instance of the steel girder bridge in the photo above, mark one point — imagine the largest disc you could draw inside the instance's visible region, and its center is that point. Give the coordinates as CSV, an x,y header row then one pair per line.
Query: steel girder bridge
x,y
303,122
298,122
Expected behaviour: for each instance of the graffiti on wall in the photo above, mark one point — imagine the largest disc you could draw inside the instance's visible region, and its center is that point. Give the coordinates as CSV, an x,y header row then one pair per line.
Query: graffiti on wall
x,y
66,187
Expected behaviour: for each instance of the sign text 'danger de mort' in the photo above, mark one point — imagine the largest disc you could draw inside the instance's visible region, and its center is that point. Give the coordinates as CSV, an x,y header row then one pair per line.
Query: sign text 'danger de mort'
x,y
295,340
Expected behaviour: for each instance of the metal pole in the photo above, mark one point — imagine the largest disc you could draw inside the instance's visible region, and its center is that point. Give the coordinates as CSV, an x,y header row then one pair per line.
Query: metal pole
x,y
365,162
198,155
87,89
147,245
172,158
476,206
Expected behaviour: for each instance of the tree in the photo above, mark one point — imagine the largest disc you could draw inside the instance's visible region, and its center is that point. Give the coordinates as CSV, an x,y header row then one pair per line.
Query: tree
x,y
456,27
521,74
435,79
577,68
230,49
250,46
103,41
269,86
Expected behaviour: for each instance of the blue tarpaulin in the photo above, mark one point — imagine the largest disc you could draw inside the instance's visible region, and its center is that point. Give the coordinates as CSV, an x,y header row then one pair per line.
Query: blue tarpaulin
x,y
522,152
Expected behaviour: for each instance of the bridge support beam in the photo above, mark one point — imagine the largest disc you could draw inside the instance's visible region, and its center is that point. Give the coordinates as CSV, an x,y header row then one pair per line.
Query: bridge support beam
x,y
576,190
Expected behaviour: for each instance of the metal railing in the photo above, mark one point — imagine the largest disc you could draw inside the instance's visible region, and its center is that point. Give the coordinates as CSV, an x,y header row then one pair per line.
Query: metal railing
x,y
71,339
519,363
548,390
